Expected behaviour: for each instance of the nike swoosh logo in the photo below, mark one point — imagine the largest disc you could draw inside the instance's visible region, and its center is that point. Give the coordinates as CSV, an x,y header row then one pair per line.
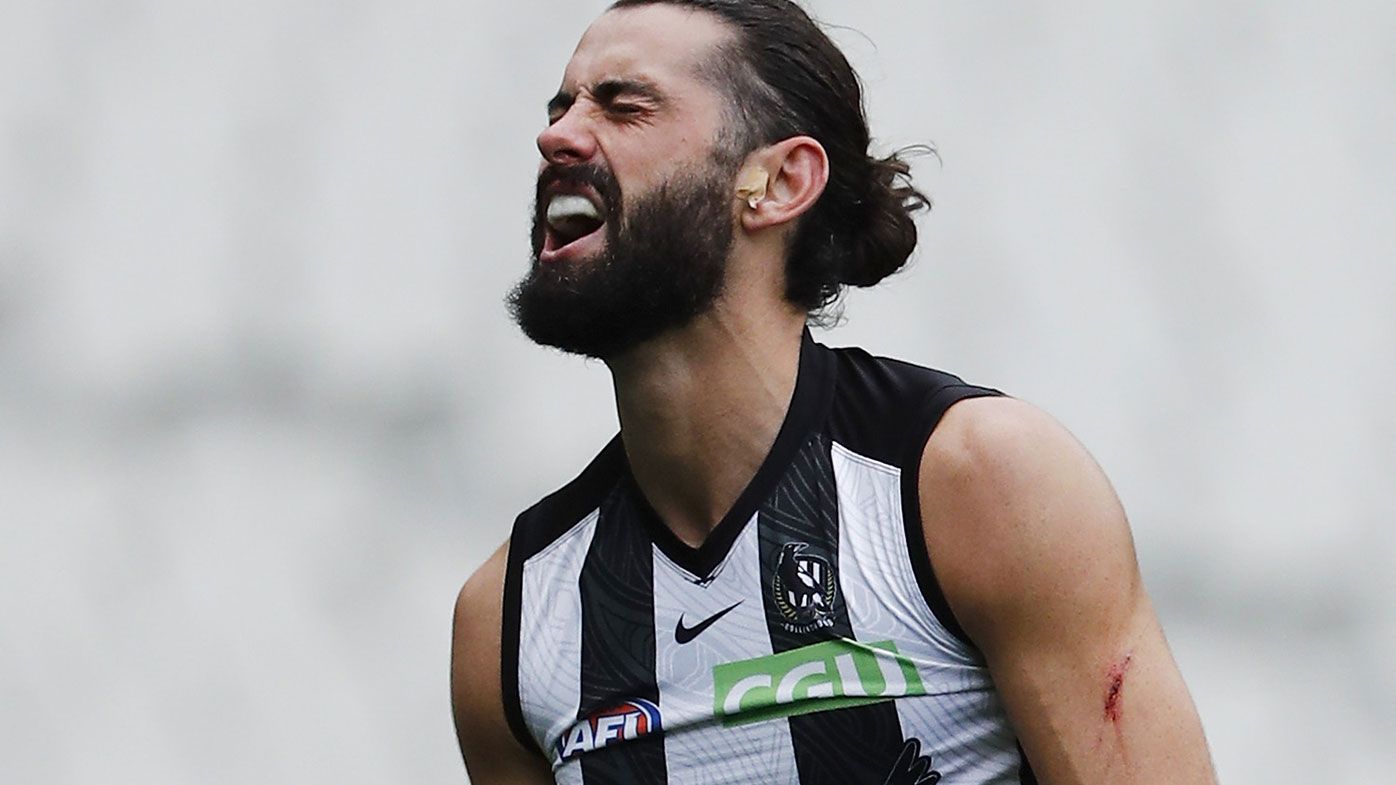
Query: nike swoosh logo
x,y
684,634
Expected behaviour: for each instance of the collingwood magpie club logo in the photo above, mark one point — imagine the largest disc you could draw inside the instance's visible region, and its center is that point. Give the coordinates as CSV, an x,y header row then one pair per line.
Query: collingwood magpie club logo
x,y
804,589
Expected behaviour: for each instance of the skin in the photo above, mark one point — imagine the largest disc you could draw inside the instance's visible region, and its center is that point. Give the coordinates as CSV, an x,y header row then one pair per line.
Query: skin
x,y
492,754
1029,541
1034,554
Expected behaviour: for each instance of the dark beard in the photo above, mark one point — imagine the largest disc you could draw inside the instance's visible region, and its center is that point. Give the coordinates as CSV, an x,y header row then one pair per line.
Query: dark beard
x,y
664,263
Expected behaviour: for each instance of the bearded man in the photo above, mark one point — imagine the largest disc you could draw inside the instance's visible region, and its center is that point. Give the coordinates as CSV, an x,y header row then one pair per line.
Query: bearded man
x,y
793,564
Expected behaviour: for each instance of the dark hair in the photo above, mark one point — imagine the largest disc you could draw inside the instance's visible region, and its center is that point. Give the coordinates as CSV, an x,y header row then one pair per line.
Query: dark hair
x,y
785,78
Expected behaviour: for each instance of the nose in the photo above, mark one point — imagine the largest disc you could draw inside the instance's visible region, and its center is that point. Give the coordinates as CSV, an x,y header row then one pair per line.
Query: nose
x,y
568,140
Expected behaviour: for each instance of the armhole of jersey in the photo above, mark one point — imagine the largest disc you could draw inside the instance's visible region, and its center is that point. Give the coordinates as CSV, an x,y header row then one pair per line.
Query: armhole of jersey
x,y
1025,775
935,407
509,643
533,531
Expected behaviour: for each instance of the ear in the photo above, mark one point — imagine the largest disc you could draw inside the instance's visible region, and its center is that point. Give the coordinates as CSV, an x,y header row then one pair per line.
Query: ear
x,y
796,171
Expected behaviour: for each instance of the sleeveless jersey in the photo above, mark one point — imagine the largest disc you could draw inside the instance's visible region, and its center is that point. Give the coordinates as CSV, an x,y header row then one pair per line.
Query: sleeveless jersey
x,y
806,642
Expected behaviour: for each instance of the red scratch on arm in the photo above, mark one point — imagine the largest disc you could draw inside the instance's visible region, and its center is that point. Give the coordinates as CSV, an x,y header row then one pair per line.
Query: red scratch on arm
x,y
1114,695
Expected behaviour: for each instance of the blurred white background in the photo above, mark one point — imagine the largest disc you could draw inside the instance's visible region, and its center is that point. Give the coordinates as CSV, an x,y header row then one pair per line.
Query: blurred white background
x,y
262,411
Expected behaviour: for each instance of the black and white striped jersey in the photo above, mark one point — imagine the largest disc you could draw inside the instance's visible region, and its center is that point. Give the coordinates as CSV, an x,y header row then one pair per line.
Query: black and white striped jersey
x,y
805,642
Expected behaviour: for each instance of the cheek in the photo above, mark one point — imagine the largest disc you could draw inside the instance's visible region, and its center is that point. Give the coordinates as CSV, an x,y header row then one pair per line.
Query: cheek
x,y
646,160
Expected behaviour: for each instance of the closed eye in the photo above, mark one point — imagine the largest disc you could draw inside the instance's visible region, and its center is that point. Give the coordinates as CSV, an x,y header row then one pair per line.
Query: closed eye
x,y
619,97
627,97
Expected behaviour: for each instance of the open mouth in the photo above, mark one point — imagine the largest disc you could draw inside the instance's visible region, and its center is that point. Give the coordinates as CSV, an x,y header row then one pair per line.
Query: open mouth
x,y
573,222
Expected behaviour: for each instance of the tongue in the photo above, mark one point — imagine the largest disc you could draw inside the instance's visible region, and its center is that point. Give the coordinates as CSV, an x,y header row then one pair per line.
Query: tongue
x,y
574,227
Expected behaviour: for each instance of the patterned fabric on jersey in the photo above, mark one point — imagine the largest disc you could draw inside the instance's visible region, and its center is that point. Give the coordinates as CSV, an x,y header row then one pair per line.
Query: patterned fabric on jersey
x,y
806,642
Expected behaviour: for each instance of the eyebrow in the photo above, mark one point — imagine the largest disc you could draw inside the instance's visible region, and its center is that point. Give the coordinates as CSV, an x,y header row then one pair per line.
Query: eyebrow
x,y
605,91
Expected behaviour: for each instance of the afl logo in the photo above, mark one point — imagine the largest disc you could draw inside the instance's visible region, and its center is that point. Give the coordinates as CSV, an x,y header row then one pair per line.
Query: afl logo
x,y
804,589
630,720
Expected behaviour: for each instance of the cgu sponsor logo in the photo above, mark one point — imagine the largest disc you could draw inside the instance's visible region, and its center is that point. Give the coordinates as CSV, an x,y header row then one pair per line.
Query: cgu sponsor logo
x,y
632,719
824,676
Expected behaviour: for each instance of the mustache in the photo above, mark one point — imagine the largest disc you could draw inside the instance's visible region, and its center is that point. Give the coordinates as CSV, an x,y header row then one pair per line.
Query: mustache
x,y
596,177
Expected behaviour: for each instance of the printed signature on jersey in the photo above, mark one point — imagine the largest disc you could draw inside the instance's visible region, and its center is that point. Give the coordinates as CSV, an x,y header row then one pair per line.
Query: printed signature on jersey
x,y
912,768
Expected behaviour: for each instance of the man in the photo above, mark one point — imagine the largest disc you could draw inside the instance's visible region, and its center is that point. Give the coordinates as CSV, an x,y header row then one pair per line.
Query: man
x,y
794,564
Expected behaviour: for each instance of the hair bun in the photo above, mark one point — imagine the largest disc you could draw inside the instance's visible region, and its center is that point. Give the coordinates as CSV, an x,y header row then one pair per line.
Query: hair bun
x,y
882,241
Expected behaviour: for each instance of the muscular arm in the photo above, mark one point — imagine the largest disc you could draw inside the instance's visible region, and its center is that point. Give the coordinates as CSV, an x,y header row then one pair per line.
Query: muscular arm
x,y
1034,555
492,755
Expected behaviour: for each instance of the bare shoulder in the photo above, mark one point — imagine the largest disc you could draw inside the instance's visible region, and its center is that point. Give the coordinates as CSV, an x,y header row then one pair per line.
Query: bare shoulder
x,y
1014,506
1000,441
492,753
480,604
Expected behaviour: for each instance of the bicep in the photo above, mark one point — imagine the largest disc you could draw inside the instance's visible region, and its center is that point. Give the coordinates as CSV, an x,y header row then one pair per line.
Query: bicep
x,y
492,755
1035,557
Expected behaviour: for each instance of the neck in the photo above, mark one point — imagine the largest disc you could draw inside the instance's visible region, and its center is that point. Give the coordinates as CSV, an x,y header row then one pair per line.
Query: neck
x,y
700,408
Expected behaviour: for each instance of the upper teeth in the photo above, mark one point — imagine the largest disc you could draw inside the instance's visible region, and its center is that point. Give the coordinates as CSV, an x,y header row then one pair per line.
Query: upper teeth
x,y
569,207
